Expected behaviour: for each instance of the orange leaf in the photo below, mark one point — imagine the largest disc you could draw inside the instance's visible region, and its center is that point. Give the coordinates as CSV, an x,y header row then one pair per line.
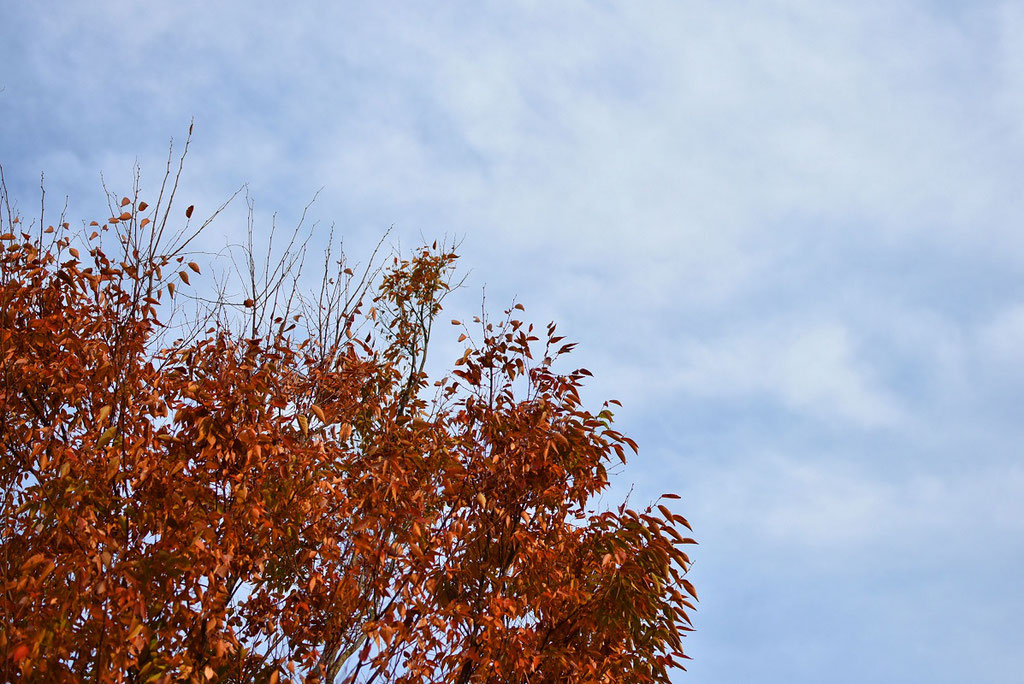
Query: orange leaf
x,y
33,561
107,435
143,223
143,206
683,521
194,266
20,653
125,216
183,276
689,588
125,201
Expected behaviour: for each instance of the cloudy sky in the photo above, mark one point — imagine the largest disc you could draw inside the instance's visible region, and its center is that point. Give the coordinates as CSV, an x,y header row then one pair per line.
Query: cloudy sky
x,y
787,236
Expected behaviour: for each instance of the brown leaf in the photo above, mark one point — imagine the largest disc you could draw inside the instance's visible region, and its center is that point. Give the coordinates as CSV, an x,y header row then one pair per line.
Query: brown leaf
x,y
107,435
188,212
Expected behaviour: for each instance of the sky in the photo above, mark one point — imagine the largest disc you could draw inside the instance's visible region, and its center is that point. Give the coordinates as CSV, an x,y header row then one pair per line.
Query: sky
x,y
786,234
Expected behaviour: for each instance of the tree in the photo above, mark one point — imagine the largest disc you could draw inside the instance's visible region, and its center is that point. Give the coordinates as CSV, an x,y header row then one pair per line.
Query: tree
x,y
279,493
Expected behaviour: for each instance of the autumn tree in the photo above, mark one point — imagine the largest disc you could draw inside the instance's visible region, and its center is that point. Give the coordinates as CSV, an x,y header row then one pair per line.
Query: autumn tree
x,y
265,486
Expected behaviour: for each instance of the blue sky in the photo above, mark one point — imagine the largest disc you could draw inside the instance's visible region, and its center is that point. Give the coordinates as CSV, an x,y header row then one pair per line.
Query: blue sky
x,y
786,234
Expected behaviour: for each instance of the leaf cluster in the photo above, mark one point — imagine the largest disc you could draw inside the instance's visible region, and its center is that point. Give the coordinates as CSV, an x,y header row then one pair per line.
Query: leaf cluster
x,y
245,503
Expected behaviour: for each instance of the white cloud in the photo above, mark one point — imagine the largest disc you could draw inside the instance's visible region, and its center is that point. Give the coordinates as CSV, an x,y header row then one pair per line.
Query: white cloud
x,y
1002,338
795,506
811,369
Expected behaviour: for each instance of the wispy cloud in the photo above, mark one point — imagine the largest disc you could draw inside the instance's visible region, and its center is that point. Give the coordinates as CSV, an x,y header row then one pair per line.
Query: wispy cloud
x,y
809,368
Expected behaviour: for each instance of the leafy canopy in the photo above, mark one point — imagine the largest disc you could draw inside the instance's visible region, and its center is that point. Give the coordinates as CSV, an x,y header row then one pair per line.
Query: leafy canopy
x,y
267,487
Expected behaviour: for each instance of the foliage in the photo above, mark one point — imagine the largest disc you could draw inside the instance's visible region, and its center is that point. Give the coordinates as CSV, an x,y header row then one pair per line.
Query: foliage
x,y
255,501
